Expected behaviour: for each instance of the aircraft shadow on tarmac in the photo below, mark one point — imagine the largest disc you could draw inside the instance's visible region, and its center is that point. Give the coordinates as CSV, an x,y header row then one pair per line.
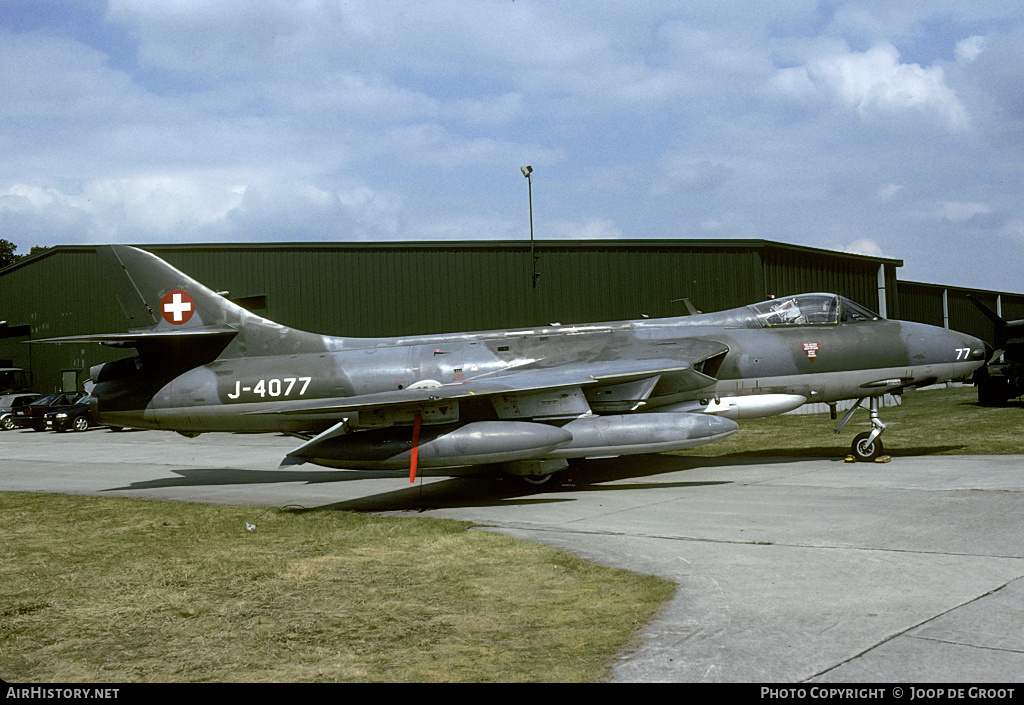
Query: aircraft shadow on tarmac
x,y
476,488
479,487
488,490
789,455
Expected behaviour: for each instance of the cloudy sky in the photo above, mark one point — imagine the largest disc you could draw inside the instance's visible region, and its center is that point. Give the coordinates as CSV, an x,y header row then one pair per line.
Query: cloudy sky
x,y
872,126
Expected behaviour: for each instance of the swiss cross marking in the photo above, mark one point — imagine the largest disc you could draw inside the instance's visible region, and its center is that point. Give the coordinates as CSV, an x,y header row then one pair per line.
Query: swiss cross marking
x,y
177,307
812,350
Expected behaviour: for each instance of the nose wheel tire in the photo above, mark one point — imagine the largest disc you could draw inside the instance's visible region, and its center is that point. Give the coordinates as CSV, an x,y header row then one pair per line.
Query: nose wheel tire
x,y
865,450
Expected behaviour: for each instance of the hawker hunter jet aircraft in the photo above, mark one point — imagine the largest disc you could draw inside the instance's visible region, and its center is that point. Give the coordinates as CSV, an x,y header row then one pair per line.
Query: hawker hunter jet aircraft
x,y
524,401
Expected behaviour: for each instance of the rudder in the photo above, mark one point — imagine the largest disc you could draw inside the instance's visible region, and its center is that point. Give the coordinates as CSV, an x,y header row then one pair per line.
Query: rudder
x,y
156,296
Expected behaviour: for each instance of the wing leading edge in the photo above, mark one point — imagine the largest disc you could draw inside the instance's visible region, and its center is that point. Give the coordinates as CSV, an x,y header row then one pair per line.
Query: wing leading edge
x,y
553,392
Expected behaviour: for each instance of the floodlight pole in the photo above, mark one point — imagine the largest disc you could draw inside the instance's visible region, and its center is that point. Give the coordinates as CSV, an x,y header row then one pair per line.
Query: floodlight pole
x,y
527,170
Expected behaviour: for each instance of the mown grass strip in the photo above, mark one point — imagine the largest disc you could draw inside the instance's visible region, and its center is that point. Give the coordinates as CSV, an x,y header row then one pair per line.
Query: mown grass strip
x,y
118,590
928,422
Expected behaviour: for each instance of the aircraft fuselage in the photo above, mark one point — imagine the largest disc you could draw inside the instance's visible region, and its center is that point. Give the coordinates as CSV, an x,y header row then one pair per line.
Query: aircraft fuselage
x,y
821,363
527,400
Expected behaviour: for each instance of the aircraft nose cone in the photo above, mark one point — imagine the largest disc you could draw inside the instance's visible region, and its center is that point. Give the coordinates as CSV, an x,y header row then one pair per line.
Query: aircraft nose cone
x,y
971,348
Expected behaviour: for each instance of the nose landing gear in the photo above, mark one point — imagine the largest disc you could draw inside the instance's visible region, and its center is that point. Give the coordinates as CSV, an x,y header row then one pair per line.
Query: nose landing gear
x,y
867,446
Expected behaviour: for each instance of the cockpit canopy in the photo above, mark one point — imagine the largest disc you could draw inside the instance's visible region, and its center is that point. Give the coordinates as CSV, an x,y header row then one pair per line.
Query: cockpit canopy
x,y
809,310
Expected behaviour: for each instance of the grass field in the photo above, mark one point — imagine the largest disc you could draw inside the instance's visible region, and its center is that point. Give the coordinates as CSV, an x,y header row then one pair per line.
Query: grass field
x,y
117,590
928,422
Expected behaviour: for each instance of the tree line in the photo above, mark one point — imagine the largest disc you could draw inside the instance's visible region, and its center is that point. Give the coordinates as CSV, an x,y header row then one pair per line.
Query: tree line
x,y
8,256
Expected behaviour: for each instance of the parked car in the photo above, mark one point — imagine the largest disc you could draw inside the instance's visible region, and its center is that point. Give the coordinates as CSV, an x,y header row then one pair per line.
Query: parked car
x,y
33,415
74,418
7,404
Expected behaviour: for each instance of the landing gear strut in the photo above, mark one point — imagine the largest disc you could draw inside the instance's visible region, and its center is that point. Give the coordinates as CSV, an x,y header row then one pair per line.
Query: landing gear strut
x,y
866,446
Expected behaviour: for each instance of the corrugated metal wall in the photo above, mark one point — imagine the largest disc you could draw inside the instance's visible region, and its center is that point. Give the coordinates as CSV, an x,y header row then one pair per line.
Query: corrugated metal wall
x,y
390,289
924,303
612,282
789,271
61,295
1013,307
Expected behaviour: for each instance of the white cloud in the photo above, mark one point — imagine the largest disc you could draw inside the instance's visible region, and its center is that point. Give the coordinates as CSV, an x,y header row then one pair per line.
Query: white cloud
x,y
888,192
299,210
876,86
432,144
961,212
319,119
864,246
157,207
585,229
1013,230
167,209
967,50
40,74
684,173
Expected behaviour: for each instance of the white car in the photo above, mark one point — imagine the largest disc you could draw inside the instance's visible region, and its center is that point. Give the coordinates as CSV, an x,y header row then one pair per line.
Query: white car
x,y
7,402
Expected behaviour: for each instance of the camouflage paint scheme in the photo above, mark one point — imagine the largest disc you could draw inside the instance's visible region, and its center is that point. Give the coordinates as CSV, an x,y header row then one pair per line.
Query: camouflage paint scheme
x,y
525,400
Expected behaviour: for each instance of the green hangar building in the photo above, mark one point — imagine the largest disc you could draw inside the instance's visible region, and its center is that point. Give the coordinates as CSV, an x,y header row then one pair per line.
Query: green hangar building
x,y
390,289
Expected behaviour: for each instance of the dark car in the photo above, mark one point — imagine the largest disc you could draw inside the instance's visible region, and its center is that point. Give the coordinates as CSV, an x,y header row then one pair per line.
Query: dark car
x,y
75,418
7,404
33,415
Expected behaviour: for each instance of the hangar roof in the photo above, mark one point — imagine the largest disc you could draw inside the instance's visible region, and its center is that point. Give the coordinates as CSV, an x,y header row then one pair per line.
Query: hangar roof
x,y
704,244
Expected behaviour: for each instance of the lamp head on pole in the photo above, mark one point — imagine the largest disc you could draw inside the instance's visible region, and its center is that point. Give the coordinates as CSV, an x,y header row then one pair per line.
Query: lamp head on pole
x,y
527,170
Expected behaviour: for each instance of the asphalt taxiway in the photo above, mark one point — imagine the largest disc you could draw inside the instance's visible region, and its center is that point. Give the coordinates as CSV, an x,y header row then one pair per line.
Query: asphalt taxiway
x,y
789,570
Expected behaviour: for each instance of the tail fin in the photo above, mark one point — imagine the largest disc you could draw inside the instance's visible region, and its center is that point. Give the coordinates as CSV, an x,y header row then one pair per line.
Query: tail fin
x,y
997,320
157,297
168,310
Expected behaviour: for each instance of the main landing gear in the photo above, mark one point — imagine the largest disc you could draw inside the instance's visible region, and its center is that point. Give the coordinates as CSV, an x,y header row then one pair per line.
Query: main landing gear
x,y
867,446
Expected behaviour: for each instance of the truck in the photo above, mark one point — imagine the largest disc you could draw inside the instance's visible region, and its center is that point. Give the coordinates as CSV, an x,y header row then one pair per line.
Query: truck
x,y
1002,378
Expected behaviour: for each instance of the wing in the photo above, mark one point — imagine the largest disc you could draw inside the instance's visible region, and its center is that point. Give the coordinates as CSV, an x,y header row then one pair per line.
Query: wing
x,y
565,391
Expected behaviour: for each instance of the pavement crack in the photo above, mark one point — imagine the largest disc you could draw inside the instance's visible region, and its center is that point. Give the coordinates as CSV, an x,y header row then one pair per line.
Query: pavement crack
x,y
566,529
906,633
965,643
